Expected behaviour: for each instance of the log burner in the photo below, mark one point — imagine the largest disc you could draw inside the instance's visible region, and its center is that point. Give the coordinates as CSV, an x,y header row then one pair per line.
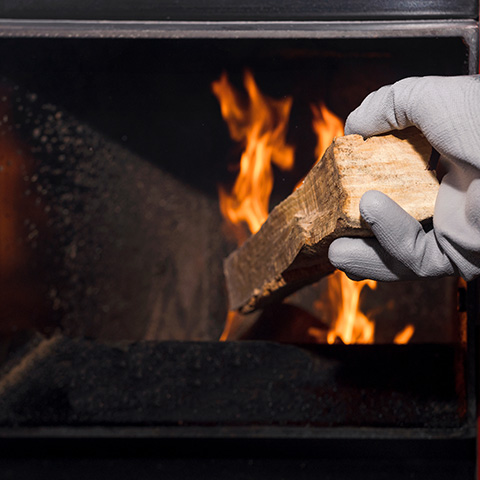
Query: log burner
x,y
112,148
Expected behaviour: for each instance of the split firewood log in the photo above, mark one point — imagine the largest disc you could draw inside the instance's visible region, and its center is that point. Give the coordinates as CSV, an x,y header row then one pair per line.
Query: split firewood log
x,y
290,250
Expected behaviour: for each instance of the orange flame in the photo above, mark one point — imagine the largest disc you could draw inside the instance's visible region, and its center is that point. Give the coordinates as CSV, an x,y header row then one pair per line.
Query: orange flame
x,y
232,318
350,325
327,126
261,126
405,335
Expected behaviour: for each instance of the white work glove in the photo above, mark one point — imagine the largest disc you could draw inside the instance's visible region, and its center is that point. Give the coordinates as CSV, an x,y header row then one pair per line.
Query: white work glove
x,y
447,111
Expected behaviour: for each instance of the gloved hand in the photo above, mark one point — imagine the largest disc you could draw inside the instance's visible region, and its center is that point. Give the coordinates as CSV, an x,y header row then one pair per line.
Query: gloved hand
x,y
447,111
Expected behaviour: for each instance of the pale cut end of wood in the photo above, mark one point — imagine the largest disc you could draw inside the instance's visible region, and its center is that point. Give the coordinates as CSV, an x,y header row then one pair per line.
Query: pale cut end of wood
x,y
291,249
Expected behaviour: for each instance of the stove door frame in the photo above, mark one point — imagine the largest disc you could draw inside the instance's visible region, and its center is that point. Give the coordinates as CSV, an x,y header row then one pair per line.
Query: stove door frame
x,y
467,30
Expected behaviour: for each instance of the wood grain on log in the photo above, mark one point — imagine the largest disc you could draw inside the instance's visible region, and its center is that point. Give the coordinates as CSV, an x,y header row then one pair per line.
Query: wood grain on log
x,y
290,250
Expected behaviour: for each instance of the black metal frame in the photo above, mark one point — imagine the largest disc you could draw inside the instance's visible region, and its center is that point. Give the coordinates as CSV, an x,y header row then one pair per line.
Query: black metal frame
x,y
216,10
466,29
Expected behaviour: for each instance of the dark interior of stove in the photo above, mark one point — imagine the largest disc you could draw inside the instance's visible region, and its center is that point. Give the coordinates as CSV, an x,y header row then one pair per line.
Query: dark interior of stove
x,y
120,148
112,292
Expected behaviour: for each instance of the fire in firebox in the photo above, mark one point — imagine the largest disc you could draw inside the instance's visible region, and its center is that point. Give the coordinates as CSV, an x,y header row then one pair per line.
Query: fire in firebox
x,y
260,124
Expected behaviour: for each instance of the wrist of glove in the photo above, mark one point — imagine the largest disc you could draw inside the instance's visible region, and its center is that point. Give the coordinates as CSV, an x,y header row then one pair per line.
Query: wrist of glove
x,y
447,111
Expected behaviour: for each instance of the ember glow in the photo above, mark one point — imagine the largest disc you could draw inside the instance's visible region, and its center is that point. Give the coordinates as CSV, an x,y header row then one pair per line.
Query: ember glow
x,y
260,124
405,335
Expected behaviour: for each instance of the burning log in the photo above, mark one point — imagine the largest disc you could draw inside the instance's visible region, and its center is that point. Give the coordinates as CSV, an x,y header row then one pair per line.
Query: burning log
x,y
290,250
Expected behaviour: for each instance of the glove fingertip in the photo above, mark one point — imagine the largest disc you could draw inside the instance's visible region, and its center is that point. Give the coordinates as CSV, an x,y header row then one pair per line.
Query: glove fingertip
x,y
338,252
361,258
347,254
374,205
354,123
